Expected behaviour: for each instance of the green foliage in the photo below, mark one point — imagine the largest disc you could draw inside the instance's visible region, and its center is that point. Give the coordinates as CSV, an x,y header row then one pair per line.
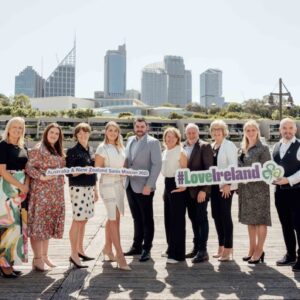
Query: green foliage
x,y
4,101
234,107
200,116
125,114
174,115
195,107
21,101
5,110
168,104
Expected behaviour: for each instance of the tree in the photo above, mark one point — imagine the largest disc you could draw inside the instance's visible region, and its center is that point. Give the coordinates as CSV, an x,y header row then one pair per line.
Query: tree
x,y
125,114
174,115
168,104
4,101
257,107
195,107
21,101
234,107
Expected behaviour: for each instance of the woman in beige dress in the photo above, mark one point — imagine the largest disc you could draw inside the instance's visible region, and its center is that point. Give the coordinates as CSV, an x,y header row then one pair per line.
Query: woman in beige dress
x,y
111,153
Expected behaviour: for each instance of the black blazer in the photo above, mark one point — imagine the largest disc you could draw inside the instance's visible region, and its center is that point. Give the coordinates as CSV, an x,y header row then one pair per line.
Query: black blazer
x,y
201,159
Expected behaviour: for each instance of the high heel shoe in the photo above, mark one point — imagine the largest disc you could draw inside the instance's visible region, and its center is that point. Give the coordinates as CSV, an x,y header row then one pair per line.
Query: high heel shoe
x,y
75,264
122,264
226,257
107,256
37,264
85,258
246,258
4,274
261,259
48,262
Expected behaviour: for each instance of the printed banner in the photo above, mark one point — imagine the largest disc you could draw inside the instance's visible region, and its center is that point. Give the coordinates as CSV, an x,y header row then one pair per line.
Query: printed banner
x,y
269,172
90,170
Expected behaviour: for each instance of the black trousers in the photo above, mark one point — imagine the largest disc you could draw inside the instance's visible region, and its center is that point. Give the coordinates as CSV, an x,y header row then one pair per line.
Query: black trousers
x,y
221,213
288,207
197,213
141,207
174,204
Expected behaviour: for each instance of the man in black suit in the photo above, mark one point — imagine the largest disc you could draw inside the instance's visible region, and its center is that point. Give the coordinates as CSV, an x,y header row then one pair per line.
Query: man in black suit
x,y
286,153
200,157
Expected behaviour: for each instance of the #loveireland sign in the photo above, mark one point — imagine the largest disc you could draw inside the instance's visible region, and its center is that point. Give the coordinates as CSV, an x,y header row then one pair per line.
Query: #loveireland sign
x,y
268,172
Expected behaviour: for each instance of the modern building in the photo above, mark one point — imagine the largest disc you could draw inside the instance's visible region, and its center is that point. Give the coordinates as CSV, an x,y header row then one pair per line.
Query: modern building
x,y
188,85
61,81
29,83
61,103
154,84
175,69
135,94
166,82
115,72
211,88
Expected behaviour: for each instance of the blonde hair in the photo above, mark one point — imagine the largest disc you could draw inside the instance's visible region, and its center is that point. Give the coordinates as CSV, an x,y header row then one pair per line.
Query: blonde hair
x,y
173,130
219,124
118,141
245,141
18,120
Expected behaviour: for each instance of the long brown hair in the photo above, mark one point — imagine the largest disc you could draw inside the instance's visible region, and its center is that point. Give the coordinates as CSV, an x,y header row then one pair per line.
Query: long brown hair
x,y
58,146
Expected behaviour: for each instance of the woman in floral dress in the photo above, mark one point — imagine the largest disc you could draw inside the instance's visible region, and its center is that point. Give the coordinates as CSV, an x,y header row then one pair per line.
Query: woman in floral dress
x,y
46,213
13,203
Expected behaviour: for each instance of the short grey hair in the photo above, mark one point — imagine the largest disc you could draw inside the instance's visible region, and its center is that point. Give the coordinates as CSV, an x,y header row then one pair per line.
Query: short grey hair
x,y
192,125
287,120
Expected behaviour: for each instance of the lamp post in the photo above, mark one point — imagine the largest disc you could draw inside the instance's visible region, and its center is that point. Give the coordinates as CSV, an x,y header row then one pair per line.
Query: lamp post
x,y
281,94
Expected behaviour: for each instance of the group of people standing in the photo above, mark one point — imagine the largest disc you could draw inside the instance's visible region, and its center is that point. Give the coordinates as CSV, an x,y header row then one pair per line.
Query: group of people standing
x,y
33,205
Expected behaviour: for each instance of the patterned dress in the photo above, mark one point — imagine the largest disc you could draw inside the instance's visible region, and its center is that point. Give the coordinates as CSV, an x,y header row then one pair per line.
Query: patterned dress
x,y
13,208
254,197
46,212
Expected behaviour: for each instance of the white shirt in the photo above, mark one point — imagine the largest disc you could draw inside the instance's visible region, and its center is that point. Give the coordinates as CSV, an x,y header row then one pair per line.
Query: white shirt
x,y
171,161
284,146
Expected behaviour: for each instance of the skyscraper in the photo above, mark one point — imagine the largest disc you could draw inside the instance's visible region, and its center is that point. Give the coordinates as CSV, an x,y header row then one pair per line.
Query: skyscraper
x,y
154,84
29,83
166,82
211,88
61,81
188,85
115,72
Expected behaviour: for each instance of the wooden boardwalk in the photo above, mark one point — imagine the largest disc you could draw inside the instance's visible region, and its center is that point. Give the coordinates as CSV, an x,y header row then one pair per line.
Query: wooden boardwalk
x,y
154,279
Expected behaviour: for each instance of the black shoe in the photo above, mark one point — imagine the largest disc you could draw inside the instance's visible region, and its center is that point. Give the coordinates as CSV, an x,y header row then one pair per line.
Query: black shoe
x,y
71,260
261,259
17,272
145,256
133,251
200,257
286,261
296,267
85,258
7,275
246,258
191,254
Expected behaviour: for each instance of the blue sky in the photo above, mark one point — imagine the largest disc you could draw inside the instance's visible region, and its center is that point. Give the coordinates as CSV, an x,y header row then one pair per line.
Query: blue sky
x,y
254,42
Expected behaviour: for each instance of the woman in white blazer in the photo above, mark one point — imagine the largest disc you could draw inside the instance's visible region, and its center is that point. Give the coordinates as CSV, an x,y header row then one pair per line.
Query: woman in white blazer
x,y
225,155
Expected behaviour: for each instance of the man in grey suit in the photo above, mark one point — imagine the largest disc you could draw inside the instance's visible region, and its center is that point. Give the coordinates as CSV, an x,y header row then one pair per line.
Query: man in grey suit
x,y
142,152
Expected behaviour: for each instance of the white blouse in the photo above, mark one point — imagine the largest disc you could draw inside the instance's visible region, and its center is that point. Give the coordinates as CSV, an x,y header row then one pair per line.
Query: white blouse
x,y
171,161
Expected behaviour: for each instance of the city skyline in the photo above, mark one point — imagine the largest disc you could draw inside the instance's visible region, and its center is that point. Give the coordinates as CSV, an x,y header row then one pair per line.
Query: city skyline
x,y
253,43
